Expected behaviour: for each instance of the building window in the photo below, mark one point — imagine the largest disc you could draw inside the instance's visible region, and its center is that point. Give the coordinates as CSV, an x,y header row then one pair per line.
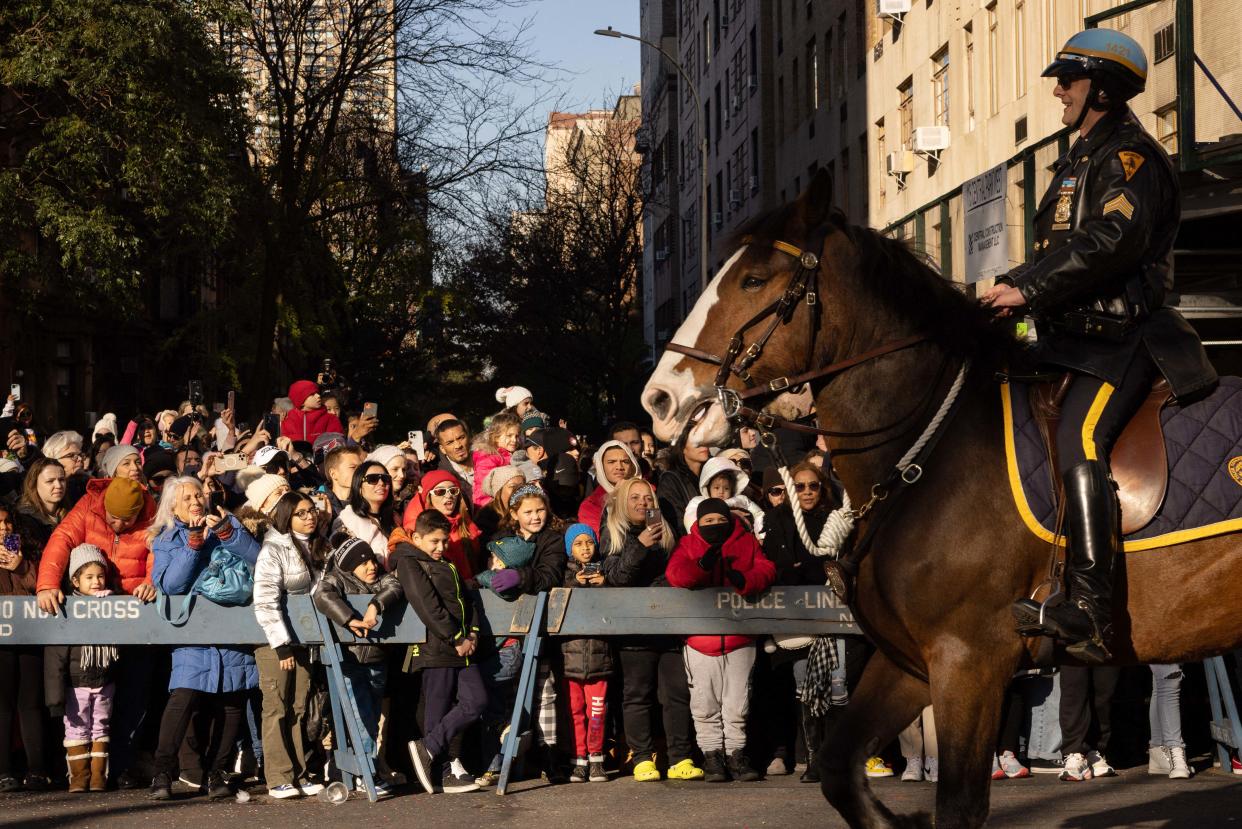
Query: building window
x,y
1166,127
795,79
1019,130
780,105
1165,45
845,181
754,160
881,148
1019,48
717,122
905,110
812,73
940,86
993,47
754,58
707,125
969,33
830,83
842,45
860,38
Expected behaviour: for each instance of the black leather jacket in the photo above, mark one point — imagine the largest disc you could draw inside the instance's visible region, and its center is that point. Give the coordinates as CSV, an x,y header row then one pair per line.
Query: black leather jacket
x,y
1103,252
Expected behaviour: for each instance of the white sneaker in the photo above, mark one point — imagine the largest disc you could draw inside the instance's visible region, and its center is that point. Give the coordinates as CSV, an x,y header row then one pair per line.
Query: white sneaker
x,y
1076,768
1100,766
1158,761
931,770
1012,766
913,772
1178,768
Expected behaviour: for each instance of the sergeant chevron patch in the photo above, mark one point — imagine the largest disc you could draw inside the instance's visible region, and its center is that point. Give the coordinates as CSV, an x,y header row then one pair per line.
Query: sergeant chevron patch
x,y
1119,204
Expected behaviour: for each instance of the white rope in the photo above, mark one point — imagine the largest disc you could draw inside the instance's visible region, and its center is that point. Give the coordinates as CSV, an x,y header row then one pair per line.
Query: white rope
x,y
840,521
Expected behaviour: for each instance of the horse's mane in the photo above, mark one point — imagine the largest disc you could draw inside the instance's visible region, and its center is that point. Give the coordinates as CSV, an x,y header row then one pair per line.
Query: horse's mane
x,y
904,283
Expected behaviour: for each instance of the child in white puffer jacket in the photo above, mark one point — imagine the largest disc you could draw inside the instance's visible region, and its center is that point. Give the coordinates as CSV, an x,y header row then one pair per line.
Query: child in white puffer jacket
x,y
722,478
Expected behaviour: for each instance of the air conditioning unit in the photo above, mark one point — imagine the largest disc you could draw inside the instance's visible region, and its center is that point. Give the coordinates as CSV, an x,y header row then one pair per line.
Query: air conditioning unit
x,y
724,20
930,139
661,254
894,8
752,82
752,184
899,163
735,199
717,219
735,102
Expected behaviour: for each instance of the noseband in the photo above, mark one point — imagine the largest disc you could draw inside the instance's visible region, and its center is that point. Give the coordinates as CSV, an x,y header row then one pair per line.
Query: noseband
x,y
738,359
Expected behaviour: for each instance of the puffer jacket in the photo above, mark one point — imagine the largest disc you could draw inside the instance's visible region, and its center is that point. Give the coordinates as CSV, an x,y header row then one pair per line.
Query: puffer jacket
x,y
633,565
436,593
485,462
306,426
365,528
741,554
784,548
210,669
586,658
130,561
547,569
35,530
63,668
19,581
280,571
329,595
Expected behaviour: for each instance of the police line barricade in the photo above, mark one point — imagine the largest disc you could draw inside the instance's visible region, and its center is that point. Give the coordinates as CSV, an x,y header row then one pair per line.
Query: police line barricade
x,y
125,620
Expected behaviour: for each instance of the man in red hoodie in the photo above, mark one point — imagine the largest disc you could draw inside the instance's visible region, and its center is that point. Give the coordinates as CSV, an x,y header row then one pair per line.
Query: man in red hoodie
x,y
309,419
720,551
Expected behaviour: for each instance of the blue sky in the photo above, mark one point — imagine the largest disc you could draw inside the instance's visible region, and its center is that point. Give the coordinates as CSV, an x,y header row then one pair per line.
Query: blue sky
x,y
594,69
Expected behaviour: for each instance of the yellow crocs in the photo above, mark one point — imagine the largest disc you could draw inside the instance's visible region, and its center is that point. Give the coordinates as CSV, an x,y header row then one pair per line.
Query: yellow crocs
x,y
685,770
646,771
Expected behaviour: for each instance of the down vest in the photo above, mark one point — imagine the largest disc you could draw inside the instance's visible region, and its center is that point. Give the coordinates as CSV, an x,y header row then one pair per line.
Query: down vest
x,y
211,669
129,559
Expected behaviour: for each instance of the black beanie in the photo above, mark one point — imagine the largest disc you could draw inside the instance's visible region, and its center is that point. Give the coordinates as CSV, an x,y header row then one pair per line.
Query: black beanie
x,y
353,552
710,506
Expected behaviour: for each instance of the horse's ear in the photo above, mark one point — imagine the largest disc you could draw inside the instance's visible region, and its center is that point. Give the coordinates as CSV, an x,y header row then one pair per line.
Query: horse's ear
x,y
817,200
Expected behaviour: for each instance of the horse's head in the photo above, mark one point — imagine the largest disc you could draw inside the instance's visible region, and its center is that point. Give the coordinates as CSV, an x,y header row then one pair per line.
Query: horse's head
x,y
681,395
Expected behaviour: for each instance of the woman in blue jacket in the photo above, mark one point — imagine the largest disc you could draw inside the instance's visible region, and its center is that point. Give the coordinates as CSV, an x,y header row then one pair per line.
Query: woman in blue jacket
x,y
183,537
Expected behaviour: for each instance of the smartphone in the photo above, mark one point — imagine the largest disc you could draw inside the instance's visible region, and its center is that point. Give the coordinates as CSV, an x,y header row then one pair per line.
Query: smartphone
x,y
196,391
13,543
591,568
216,500
15,389
231,462
419,443
271,425
653,518
370,410
232,402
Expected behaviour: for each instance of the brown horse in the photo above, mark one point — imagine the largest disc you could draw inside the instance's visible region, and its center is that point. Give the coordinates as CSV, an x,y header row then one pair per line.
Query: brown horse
x,y
950,556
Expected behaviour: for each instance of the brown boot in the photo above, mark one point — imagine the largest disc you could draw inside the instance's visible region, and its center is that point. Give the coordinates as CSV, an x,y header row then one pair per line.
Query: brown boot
x,y
78,757
99,766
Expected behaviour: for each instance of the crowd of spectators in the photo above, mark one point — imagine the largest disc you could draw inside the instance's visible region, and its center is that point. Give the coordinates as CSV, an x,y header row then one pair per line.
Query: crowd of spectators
x,y
308,501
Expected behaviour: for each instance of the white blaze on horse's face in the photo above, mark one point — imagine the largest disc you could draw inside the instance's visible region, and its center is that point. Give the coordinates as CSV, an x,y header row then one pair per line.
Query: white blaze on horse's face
x,y
672,394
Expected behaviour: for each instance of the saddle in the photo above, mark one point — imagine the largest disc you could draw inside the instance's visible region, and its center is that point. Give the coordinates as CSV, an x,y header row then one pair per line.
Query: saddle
x,y
1139,462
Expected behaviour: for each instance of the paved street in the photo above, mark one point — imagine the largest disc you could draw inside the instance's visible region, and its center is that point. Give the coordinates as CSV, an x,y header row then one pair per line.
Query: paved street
x,y
1132,800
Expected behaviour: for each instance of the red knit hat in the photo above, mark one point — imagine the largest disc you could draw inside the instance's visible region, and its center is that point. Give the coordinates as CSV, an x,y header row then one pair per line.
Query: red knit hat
x,y
436,477
300,390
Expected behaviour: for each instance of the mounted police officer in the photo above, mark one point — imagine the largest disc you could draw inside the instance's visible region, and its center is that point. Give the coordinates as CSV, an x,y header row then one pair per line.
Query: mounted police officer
x,y
1096,283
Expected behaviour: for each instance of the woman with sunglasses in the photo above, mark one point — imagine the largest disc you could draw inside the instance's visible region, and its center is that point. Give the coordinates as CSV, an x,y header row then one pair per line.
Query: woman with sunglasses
x,y
292,555
441,491
370,515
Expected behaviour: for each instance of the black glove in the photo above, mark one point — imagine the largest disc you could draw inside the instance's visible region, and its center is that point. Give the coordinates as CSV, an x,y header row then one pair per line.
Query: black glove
x,y
735,578
710,559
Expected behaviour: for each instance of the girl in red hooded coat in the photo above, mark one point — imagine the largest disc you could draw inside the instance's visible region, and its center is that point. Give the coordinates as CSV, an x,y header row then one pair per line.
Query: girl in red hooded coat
x,y
720,552
308,419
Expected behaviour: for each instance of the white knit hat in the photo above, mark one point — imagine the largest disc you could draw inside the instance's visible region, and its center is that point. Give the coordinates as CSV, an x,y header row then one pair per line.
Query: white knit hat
x,y
84,554
262,488
498,477
512,395
107,423
383,454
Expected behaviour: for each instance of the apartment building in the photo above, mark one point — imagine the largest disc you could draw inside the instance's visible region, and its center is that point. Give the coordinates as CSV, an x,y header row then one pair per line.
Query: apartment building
x,y
780,92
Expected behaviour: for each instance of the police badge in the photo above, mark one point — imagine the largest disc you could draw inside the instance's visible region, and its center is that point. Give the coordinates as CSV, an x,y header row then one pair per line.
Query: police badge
x,y
1065,203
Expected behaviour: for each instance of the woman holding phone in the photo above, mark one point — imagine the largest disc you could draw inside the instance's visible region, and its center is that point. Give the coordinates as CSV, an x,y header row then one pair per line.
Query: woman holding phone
x,y
652,667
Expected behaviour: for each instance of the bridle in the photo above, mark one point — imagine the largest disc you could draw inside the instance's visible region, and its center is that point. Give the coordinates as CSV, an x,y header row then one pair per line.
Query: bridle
x,y
738,358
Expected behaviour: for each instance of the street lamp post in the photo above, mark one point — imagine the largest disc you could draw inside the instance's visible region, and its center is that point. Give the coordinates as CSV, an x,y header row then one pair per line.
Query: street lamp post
x,y
701,127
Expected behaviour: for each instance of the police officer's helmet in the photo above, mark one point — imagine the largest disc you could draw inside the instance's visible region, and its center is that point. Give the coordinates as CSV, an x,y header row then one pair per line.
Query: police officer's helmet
x,y
1114,62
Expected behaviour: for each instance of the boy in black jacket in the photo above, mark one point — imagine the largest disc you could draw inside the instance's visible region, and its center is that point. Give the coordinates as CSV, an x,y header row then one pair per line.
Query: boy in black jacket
x,y
434,589
353,568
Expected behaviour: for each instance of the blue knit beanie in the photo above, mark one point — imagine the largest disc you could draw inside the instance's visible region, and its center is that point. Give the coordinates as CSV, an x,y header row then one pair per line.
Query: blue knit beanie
x,y
573,532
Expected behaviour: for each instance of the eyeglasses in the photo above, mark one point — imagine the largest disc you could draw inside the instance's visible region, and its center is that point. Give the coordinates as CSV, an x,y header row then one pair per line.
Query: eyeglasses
x,y
72,456
776,490
309,512
1066,81
446,492
803,486
376,478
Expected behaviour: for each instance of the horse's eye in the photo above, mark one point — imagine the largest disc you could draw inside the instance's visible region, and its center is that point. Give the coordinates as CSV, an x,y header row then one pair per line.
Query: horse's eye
x,y
752,283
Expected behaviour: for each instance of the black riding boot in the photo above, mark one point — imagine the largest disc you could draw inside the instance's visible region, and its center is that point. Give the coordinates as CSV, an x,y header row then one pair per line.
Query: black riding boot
x,y
1093,527
813,731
